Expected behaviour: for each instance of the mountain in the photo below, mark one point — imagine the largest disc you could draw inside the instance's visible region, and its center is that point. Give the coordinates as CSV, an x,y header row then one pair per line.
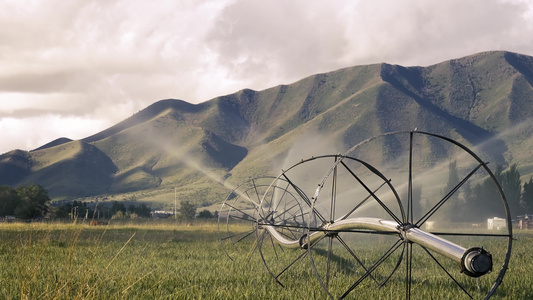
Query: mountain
x,y
194,150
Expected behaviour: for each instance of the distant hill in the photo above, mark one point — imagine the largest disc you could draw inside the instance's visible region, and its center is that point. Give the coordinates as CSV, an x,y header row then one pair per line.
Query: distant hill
x,y
53,143
193,150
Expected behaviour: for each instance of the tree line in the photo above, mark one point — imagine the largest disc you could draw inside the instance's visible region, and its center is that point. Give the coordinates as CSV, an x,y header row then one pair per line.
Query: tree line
x,y
117,210
476,202
187,212
31,202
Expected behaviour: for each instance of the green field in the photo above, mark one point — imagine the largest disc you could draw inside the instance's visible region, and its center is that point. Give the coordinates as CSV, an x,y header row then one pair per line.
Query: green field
x,y
164,260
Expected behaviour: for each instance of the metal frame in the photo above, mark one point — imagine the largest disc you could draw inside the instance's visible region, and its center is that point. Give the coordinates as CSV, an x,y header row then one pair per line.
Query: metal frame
x,y
275,227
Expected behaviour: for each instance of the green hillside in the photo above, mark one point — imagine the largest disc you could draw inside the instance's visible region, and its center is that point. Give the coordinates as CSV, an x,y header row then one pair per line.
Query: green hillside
x,y
201,151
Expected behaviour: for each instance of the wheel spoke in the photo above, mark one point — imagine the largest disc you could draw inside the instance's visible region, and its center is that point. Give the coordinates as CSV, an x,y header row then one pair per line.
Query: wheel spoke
x,y
273,246
446,271
287,210
448,196
410,212
305,199
333,193
328,260
281,198
291,263
395,268
408,269
256,191
292,231
242,212
372,194
260,240
343,243
253,249
244,235
241,218
376,264
363,201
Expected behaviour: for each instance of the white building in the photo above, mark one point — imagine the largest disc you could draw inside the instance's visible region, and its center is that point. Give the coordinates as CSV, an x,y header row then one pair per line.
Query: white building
x,y
496,223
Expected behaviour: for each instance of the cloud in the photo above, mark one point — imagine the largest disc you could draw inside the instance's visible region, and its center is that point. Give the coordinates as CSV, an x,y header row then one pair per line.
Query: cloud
x,y
298,38
423,32
26,132
102,61
281,38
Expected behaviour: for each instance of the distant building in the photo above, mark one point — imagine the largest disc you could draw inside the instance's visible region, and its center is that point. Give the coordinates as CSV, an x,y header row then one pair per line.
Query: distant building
x,y
161,214
7,218
525,222
496,223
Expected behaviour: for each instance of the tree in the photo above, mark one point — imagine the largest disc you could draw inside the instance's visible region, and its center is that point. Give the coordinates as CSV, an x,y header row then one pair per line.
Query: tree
x,y
485,199
205,214
34,201
451,209
131,215
527,196
187,210
512,188
8,200
118,215
143,211
61,211
468,201
116,207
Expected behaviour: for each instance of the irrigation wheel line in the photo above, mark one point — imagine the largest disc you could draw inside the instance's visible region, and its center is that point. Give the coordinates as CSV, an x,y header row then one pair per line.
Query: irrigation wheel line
x,y
357,232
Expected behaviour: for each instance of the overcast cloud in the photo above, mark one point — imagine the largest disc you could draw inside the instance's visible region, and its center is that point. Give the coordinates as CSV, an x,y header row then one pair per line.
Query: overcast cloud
x,y
73,68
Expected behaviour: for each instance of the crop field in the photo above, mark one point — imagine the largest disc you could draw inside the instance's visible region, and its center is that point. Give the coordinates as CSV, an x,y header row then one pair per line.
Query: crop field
x,y
166,260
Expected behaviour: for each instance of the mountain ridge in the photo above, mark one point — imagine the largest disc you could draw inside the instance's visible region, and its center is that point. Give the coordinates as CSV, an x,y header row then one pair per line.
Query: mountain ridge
x,y
194,149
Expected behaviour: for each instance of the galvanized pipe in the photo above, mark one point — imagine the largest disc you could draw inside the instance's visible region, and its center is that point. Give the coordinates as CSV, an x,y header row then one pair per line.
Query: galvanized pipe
x,y
474,262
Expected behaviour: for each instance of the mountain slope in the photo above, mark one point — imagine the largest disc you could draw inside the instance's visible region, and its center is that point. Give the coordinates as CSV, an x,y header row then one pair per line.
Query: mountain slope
x,y
193,150
87,167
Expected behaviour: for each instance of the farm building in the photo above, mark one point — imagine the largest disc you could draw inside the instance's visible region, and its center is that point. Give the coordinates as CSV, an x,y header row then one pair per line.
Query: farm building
x,y
525,222
161,214
496,223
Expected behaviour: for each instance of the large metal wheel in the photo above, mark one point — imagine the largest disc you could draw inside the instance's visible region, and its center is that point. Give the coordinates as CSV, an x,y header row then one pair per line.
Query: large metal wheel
x,y
241,219
438,179
292,216
237,219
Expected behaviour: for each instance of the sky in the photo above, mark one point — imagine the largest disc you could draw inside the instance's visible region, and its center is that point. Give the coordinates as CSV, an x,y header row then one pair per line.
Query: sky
x,y
74,68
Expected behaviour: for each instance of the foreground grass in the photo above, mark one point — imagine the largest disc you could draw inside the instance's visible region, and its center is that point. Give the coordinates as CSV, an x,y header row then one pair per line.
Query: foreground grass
x,y
172,261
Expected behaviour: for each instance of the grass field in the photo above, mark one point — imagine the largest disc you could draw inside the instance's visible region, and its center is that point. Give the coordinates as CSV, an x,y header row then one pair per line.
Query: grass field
x,y
164,260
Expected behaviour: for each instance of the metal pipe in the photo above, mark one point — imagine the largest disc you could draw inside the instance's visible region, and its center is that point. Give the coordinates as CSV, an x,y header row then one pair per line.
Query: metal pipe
x,y
435,243
474,261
